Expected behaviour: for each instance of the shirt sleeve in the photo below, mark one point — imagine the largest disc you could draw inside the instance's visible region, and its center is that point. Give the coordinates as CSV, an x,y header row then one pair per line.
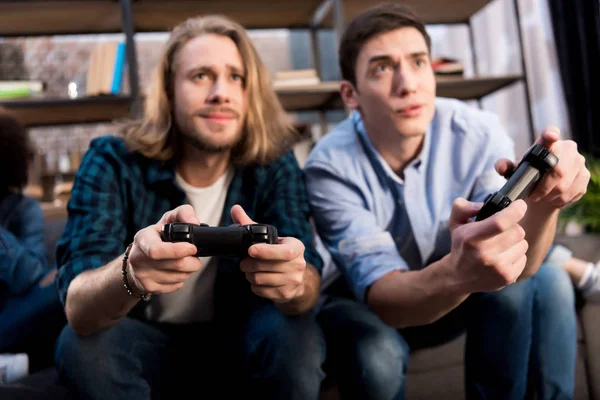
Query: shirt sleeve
x,y
500,145
286,206
96,228
22,250
363,250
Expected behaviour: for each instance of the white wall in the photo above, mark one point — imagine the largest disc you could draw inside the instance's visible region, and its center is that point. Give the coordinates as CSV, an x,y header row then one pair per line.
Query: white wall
x,y
497,50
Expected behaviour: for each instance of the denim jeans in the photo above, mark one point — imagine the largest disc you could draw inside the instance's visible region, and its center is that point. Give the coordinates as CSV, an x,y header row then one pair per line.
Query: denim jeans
x,y
527,324
266,356
31,323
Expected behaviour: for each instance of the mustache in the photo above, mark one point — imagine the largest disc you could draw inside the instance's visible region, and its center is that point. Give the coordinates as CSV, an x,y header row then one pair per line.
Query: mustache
x,y
221,110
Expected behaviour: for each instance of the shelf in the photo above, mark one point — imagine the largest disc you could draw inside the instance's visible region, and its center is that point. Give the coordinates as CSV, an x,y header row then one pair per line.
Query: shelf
x,y
311,97
326,94
45,112
51,17
472,88
431,11
160,15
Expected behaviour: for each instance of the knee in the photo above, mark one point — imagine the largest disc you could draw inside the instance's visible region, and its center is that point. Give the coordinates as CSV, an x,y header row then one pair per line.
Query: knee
x,y
554,287
289,346
511,301
381,355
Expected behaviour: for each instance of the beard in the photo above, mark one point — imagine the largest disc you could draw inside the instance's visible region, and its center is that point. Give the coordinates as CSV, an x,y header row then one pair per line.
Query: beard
x,y
194,139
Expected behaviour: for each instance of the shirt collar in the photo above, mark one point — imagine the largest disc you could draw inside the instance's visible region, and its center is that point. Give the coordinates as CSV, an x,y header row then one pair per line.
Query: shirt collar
x,y
418,163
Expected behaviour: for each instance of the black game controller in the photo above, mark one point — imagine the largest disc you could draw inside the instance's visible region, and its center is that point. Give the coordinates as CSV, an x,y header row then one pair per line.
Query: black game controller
x,y
234,240
536,162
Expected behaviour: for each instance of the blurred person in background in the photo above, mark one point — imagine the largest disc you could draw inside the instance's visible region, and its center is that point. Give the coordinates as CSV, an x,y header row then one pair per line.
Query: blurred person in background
x,y
30,312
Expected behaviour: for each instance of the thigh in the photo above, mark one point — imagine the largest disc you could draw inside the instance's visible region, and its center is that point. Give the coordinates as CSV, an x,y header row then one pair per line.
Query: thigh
x,y
278,356
367,357
123,361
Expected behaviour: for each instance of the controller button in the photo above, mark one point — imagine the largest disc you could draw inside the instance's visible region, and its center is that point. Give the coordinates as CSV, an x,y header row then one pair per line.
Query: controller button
x,y
180,228
258,229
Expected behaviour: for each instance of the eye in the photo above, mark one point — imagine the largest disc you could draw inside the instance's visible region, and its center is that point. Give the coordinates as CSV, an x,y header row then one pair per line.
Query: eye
x,y
237,78
382,68
200,76
420,62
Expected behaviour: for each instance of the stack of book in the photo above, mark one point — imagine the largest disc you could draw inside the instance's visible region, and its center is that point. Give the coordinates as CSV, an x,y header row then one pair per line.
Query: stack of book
x,y
21,89
444,66
105,71
293,78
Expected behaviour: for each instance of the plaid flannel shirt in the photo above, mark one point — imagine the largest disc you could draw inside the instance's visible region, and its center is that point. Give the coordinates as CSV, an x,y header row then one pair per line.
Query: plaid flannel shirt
x,y
117,192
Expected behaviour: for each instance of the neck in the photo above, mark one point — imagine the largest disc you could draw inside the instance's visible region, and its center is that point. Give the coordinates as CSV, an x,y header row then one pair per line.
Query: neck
x,y
396,150
200,168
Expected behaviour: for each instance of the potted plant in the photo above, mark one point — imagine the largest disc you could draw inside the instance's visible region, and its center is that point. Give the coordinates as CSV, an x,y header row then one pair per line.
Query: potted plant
x,y
586,211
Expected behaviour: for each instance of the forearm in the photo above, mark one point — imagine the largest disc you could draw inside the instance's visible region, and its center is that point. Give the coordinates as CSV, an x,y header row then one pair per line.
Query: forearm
x,y
97,300
540,229
309,295
404,299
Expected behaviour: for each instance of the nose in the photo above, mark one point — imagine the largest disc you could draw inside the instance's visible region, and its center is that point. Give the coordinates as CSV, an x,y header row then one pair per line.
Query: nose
x,y
405,81
219,93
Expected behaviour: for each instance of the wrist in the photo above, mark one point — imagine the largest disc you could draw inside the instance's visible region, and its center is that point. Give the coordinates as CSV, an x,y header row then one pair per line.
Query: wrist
x,y
130,284
446,276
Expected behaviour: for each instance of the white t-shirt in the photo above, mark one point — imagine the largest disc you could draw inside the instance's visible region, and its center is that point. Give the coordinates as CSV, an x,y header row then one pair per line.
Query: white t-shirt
x,y
194,301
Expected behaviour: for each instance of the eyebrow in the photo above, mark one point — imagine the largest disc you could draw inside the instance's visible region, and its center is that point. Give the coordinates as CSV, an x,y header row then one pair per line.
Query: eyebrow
x,y
210,68
387,57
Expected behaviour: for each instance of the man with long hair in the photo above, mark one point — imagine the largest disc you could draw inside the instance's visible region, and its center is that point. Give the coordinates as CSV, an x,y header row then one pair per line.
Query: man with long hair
x,y
413,170
213,146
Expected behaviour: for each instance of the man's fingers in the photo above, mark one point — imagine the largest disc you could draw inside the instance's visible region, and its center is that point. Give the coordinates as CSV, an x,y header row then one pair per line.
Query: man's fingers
x,y
184,213
267,279
239,216
150,243
505,167
501,221
462,211
187,264
287,249
549,136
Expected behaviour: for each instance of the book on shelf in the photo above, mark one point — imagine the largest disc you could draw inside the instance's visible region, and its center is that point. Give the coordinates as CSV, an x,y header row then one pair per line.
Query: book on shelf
x,y
21,89
447,66
105,70
294,78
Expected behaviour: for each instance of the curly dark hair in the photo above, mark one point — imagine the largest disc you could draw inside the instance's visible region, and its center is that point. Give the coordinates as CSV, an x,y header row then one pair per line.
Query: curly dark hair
x,y
15,153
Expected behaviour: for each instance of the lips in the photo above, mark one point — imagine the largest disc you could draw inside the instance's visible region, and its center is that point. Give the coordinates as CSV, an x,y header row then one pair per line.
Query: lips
x,y
411,110
219,116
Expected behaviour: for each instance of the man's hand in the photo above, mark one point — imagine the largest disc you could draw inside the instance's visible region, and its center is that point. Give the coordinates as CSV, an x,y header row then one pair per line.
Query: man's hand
x,y
566,182
275,271
162,267
486,255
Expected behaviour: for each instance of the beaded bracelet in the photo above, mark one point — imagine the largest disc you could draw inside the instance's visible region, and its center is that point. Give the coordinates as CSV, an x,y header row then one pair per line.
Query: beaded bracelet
x,y
143,296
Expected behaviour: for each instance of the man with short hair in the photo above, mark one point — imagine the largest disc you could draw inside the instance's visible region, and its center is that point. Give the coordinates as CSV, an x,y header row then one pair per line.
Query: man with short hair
x,y
394,188
214,136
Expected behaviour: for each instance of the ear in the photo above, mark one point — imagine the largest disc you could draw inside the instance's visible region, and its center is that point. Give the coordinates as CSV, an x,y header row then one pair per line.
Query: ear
x,y
349,95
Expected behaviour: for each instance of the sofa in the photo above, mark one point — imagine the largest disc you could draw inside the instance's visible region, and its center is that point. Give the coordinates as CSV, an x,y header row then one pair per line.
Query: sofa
x,y
435,373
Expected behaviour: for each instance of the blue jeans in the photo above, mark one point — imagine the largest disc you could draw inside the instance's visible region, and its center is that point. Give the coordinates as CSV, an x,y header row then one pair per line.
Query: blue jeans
x,y
268,356
529,323
31,323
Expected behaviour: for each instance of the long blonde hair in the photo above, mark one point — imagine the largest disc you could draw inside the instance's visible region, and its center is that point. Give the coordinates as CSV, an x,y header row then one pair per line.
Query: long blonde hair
x,y
267,130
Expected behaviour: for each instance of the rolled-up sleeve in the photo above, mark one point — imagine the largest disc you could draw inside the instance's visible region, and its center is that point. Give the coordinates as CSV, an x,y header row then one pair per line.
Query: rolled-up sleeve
x,y
363,250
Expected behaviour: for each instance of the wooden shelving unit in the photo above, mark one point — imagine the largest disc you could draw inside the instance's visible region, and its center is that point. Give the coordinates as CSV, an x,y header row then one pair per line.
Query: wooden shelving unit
x,y
47,112
430,11
49,17
53,17
159,15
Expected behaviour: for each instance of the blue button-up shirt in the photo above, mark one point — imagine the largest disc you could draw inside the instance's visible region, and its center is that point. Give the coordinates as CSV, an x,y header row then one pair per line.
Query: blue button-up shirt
x,y
372,221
